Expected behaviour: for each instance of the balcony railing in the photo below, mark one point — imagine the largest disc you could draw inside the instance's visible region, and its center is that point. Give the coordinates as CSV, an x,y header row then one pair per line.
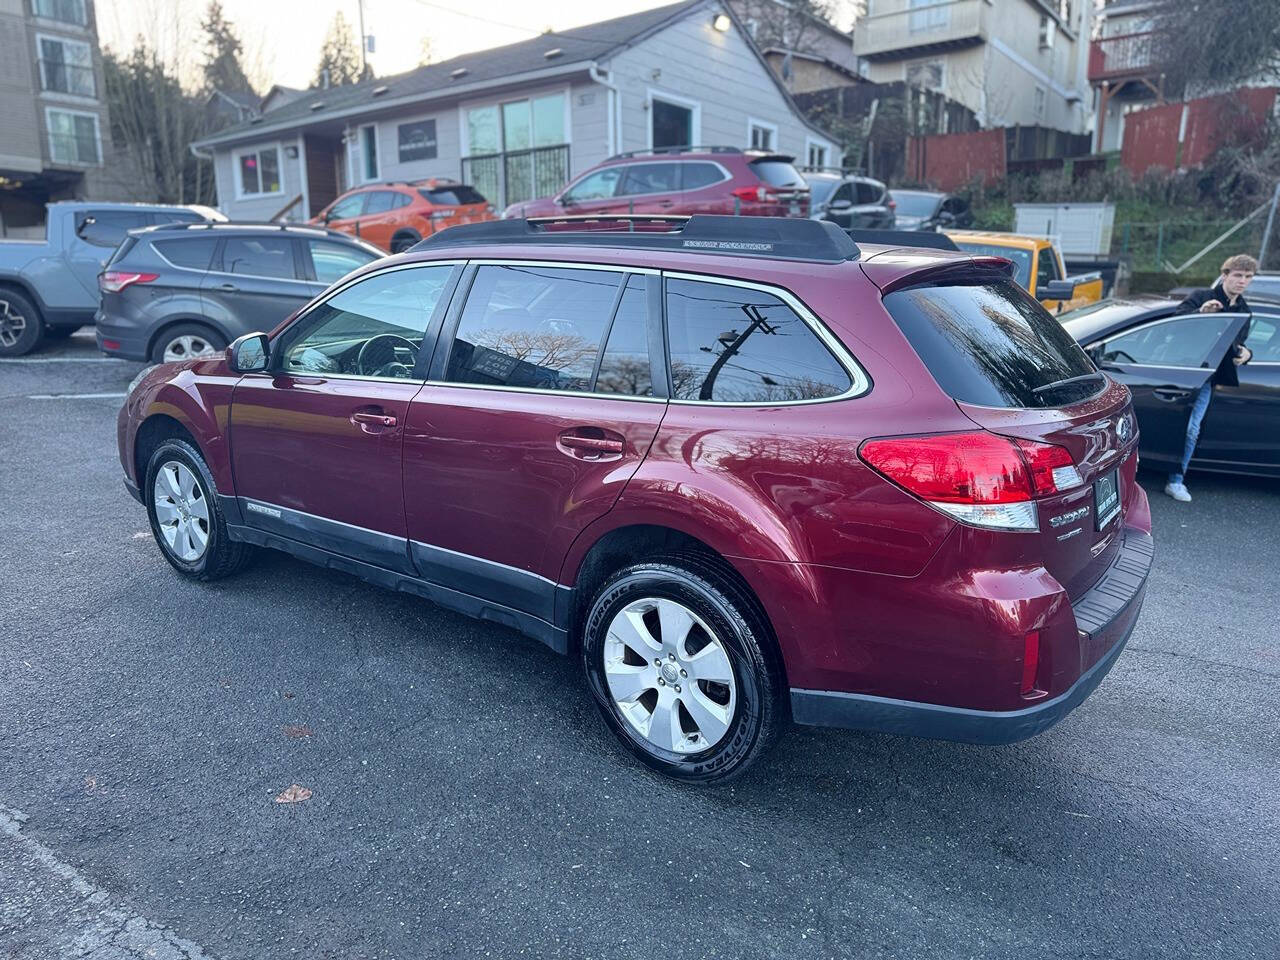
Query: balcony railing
x,y
58,76
1128,55
938,26
518,175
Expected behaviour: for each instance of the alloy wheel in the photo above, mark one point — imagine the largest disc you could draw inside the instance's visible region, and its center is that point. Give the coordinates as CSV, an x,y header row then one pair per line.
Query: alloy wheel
x,y
12,324
188,346
182,512
669,676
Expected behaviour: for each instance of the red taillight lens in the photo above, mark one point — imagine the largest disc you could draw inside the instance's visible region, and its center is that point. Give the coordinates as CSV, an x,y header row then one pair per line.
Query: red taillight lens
x,y
891,204
113,281
758,194
979,478
1030,661
1051,466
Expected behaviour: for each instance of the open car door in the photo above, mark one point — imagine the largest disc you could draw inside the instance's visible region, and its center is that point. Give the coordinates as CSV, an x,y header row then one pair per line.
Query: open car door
x,y
1165,363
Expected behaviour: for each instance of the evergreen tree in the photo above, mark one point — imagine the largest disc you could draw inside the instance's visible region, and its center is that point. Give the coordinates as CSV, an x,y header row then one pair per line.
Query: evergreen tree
x,y
340,56
222,67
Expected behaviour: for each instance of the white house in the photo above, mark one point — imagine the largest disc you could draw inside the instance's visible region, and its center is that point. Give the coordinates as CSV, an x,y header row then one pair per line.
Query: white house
x,y
518,121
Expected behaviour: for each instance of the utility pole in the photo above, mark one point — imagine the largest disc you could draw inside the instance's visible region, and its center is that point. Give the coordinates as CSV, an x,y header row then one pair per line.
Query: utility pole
x,y
364,41
1266,234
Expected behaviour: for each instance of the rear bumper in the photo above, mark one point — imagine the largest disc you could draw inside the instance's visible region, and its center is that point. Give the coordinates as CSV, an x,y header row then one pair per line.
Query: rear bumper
x,y
120,341
1105,617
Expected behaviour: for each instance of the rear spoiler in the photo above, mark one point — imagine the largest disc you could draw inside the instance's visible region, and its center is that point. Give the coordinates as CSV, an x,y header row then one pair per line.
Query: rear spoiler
x,y
939,273
904,238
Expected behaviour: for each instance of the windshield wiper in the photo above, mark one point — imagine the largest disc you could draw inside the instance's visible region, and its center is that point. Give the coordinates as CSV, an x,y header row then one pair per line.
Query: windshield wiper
x,y
1069,380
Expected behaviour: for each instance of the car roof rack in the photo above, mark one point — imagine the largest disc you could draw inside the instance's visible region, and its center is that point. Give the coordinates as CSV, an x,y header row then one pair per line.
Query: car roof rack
x,y
775,238
904,238
258,224
668,151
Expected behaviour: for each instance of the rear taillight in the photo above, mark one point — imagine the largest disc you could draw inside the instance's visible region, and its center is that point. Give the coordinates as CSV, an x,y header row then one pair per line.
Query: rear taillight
x,y
891,204
979,478
113,281
756,194
442,214
1030,661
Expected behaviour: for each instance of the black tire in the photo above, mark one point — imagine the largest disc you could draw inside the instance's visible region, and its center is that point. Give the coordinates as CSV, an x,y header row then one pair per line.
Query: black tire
x,y
22,329
222,556
732,616
209,335
59,333
403,241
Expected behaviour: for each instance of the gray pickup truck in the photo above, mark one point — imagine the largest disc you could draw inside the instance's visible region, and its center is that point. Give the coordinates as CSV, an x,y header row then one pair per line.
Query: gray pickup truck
x,y
49,287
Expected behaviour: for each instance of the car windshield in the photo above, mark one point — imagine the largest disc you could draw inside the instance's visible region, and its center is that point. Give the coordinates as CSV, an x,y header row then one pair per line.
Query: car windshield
x,y
911,204
1021,258
987,342
820,190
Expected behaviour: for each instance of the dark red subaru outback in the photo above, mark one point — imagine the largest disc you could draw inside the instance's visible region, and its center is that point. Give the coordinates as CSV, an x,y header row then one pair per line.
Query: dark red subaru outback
x,y
745,470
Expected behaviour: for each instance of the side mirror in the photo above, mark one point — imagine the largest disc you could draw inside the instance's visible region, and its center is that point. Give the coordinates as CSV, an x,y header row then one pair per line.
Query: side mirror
x,y
87,222
249,354
1057,290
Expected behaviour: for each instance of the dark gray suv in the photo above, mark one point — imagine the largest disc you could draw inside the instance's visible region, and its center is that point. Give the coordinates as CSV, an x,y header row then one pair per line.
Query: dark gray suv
x,y
187,290
854,203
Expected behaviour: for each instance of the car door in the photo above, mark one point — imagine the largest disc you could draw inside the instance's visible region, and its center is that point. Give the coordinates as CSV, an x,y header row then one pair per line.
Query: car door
x,y
841,210
346,212
255,282
595,193
1165,363
652,188
378,223
316,441
1241,430
527,430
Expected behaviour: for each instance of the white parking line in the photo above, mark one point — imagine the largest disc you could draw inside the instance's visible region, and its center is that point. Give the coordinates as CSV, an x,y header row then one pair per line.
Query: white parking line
x,y
76,396
66,360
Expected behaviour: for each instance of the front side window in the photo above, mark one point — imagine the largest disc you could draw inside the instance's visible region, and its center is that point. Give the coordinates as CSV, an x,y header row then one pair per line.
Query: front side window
x,y
743,345
259,257
106,228
348,207
66,66
529,326
373,328
333,261
1180,342
68,11
1264,339
596,186
380,201
1046,269
259,172
73,137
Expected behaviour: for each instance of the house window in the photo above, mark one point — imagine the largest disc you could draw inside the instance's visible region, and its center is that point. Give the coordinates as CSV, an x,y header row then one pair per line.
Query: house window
x,y
68,11
674,122
817,155
1039,107
929,15
66,66
517,150
761,135
1047,31
926,74
259,172
73,136
368,153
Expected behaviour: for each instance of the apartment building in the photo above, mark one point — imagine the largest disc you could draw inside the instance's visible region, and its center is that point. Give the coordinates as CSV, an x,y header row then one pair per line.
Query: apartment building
x,y
1009,61
53,118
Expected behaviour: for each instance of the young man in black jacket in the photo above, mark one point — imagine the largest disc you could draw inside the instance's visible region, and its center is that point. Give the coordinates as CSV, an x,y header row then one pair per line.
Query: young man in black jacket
x,y
1227,294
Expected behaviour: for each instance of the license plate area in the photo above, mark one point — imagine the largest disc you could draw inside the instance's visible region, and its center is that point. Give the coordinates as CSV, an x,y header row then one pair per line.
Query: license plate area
x,y
1106,499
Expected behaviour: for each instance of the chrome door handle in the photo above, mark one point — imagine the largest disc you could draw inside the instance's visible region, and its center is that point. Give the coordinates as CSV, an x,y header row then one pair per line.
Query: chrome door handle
x,y
374,419
230,287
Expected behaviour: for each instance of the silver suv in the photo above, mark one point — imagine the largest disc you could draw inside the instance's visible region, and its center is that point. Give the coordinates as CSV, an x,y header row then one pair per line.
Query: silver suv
x,y
854,203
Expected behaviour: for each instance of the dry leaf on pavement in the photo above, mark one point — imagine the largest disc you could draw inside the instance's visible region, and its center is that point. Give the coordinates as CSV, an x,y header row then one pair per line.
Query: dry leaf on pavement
x,y
297,730
294,794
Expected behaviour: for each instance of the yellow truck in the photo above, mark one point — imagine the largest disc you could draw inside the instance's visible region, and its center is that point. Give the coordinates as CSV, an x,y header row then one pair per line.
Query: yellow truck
x,y
1037,265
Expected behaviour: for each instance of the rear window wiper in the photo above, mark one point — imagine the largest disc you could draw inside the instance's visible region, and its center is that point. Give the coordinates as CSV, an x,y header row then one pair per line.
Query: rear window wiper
x,y
1066,382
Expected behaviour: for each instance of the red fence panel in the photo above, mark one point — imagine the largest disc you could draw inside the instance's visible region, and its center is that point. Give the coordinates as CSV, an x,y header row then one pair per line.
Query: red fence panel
x,y
949,161
1156,138
1151,138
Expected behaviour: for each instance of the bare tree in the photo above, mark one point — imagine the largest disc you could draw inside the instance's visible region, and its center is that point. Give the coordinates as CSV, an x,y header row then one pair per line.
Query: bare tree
x,y
1212,44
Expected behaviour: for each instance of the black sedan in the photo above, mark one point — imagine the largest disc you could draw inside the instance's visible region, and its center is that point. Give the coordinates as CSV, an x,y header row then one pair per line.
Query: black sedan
x,y
1166,357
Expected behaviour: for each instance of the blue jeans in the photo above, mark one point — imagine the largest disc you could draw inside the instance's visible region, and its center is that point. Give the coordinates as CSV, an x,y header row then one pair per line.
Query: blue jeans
x,y
1199,407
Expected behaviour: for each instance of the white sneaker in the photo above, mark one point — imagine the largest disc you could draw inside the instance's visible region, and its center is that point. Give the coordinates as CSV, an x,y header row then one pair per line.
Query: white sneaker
x,y
1178,491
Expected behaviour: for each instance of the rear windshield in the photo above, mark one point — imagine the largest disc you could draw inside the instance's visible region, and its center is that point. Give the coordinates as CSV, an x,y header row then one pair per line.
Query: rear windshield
x,y
778,173
988,342
819,190
453,196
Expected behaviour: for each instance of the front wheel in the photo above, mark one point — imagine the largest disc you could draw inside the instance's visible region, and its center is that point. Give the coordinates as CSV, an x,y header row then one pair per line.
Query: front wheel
x,y
186,518
187,341
681,669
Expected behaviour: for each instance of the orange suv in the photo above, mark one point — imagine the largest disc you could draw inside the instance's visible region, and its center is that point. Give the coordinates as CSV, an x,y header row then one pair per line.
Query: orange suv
x,y
397,214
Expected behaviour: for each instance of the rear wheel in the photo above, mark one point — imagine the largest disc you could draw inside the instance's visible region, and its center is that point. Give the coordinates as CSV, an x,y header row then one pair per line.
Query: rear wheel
x,y
681,669
186,341
404,241
21,327
186,517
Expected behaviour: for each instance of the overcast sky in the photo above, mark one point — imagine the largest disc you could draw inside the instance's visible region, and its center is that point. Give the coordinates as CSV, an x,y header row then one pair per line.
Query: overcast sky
x,y
282,38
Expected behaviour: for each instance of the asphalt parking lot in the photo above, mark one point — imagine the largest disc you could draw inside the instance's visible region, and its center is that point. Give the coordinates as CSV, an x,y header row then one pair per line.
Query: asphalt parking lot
x,y
467,802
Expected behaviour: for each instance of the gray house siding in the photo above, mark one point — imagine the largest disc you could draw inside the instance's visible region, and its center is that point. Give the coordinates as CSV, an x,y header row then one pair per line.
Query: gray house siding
x,y
718,71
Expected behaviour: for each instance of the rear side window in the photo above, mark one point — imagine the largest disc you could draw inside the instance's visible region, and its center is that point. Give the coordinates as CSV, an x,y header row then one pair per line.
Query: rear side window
x,y
380,201
868,193
458,196
989,343
695,176
195,253
526,326
259,257
624,367
742,345
778,173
